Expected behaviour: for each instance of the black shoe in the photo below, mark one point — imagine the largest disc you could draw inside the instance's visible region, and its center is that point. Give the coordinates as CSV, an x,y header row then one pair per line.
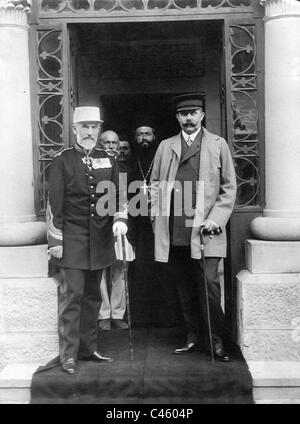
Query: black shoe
x,y
188,348
219,352
96,357
69,366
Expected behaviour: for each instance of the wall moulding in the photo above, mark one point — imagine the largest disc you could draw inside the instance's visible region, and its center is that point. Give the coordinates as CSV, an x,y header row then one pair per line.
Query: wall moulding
x,y
280,8
14,12
90,8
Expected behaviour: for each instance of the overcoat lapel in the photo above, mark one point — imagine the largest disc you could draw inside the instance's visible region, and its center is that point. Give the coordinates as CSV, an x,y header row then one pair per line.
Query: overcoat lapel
x,y
193,149
210,155
176,145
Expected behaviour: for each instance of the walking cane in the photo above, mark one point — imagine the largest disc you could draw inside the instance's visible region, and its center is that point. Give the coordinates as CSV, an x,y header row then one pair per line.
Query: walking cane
x,y
127,295
206,293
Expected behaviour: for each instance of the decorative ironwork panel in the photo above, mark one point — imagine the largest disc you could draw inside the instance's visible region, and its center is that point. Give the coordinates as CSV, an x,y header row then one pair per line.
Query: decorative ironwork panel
x,y
50,102
244,109
127,6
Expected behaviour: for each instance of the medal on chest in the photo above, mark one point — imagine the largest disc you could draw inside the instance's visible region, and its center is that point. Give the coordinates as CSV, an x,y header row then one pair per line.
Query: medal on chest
x,y
101,163
96,163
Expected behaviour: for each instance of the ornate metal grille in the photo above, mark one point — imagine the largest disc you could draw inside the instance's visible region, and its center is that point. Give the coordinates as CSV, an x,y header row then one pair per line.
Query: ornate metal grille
x,y
244,119
50,102
104,6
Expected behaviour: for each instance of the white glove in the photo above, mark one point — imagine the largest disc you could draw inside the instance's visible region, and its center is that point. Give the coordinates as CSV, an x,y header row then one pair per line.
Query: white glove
x,y
56,251
119,229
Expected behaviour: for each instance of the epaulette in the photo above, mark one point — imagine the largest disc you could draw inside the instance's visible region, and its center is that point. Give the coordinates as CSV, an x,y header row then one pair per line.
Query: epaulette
x,y
59,153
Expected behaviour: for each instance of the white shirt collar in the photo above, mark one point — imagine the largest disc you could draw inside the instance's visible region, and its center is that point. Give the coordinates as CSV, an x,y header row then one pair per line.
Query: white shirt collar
x,y
192,136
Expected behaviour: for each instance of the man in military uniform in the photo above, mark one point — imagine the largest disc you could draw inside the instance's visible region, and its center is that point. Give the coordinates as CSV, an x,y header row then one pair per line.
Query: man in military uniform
x,y
83,217
193,174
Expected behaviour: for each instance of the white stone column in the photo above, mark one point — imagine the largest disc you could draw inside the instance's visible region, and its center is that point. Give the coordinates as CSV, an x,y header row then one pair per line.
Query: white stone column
x,y
18,222
268,291
28,297
281,217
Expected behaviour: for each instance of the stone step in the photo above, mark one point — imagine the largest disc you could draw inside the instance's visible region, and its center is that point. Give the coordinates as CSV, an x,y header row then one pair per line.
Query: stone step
x,y
15,381
273,382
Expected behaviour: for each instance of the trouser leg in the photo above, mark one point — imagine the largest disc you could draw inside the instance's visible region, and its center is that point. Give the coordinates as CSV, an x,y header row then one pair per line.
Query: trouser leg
x,y
70,293
105,308
117,298
214,296
89,313
182,267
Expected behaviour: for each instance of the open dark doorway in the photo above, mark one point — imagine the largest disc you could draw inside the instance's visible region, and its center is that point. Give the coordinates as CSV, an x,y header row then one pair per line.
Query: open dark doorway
x,y
133,69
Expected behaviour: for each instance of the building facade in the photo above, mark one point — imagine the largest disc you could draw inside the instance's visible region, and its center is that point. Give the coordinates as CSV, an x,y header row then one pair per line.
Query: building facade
x,y
124,55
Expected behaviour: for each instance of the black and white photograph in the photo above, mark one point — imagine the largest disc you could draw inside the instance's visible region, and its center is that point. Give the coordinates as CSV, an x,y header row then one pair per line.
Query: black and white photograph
x,y
149,205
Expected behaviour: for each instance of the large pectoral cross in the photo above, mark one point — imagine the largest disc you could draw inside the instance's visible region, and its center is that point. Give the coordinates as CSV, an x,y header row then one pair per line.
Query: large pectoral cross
x,y
145,187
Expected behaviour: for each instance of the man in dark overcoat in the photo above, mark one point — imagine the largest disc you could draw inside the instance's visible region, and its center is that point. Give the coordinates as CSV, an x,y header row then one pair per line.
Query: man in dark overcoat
x,y
152,301
193,185
84,215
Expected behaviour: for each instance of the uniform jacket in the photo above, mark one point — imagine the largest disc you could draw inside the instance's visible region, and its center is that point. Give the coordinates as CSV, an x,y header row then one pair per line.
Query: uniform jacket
x,y
74,206
215,195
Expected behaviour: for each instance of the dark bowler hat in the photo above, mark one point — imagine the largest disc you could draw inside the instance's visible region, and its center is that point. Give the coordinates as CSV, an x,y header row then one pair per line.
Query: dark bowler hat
x,y
191,101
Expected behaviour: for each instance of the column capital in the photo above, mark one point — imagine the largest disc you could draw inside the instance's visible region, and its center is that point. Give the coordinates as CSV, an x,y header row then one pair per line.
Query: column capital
x,y
280,8
14,12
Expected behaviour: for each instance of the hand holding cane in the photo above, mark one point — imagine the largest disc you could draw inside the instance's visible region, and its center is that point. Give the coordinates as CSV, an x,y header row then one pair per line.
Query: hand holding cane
x,y
127,294
202,229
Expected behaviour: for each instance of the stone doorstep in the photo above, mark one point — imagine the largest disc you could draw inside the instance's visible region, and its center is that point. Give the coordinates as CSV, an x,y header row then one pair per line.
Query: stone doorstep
x,y
273,382
15,381
278,401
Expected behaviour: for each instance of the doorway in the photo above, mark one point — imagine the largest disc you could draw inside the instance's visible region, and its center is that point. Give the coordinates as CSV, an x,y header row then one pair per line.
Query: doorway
x,y
131,70
79,63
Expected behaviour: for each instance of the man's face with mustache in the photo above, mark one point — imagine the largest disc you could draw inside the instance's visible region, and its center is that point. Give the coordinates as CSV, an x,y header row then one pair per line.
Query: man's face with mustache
x,y
144,137
190,120
86,134
110,142
124,151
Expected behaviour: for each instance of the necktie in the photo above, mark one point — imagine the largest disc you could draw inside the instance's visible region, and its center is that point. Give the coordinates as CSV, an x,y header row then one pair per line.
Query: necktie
x,y
189,141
